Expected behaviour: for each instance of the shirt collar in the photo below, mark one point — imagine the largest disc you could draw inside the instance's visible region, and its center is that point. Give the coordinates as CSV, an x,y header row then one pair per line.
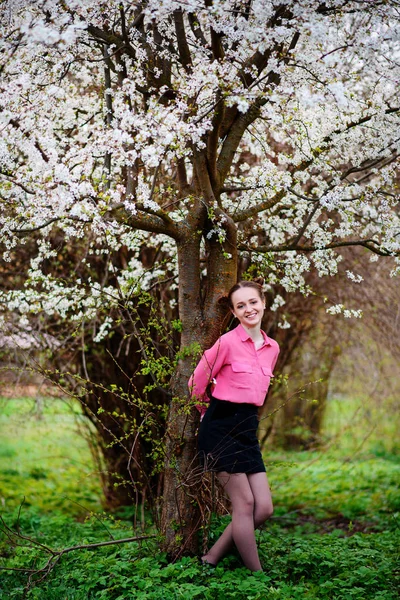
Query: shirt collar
x,y
244,336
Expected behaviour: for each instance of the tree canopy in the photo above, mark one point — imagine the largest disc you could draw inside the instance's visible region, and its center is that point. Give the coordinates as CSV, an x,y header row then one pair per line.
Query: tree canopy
x,y
224,134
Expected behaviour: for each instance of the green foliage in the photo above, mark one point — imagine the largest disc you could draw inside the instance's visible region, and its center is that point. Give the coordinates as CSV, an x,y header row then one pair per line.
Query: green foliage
x,y
363,488
316,566
334,534
362,422
44,459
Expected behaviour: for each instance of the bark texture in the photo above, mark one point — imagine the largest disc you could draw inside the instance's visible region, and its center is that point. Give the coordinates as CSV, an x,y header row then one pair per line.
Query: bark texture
x,y
202,321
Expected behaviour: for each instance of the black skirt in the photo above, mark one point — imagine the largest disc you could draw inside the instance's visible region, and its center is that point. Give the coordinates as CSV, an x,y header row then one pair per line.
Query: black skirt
x,y
228,438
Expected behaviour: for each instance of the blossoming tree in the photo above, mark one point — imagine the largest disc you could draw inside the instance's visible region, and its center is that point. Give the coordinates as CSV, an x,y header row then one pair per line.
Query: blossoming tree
x,y
226,132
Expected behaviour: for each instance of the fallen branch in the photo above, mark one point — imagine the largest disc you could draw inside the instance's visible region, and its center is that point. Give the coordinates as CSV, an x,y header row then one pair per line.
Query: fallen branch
x,y
38,575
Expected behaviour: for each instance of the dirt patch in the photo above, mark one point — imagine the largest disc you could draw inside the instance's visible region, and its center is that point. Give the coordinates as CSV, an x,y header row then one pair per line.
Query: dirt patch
x,y
30,390
339,522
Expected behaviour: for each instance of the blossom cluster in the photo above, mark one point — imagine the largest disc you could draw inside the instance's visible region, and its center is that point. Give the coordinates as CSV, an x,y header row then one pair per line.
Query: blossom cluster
x,y
118,126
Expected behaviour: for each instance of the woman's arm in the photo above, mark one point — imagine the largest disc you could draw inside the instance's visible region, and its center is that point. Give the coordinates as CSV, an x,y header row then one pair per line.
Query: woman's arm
x,y
210,364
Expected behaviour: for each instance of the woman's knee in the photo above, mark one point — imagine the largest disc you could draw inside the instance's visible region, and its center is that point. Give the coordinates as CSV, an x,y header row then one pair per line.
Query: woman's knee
x,y
263,513
244,505
239,491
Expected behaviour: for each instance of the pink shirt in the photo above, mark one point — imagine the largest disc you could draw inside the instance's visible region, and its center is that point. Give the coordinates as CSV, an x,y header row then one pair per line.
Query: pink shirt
x,y
238,372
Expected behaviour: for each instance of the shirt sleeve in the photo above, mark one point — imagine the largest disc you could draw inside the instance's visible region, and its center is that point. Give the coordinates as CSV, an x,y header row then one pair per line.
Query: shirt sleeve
x,y
275,358
208,367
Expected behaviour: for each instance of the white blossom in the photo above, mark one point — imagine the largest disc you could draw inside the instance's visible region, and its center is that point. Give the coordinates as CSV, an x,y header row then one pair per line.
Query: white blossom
x,y
86,157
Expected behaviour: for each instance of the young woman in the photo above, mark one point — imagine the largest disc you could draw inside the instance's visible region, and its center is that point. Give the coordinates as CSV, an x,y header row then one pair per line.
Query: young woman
x,y
237,371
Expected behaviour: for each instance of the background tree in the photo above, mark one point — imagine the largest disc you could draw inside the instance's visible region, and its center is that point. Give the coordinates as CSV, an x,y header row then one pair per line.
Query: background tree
x,y
230,131
318,348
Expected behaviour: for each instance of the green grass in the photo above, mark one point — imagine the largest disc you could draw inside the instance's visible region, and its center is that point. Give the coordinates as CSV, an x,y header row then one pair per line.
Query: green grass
x,y
334,534
45,460
363,424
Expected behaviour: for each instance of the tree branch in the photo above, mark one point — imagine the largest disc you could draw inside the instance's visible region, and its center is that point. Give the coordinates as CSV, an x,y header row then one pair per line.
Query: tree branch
x,y
213,139
229,189
259,60
18,184
15,123
370,244
323,145
183,184
203,177
56,555
46,224
234,137
108,543
306,223
183,48
216,45
109,107
123,24
109,38
246,213
196,29
154,224
369,164
142,220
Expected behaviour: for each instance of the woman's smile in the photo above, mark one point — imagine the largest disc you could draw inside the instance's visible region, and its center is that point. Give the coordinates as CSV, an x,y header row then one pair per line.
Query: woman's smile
x,y
248,307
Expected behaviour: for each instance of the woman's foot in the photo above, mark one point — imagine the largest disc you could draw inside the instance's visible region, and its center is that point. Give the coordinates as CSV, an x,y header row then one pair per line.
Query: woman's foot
x,y
205,561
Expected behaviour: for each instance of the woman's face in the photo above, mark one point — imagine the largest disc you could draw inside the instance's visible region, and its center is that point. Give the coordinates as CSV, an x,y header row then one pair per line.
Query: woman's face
x,y
248,307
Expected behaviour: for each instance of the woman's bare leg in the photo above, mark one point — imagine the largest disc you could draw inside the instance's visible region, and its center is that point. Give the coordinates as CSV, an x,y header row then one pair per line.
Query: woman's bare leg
x,y
262,510
241,529
239,491
221,547
263,507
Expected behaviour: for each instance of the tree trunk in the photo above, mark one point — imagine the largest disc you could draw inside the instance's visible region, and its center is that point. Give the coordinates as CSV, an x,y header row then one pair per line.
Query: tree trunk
x,y
202,321
180,516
